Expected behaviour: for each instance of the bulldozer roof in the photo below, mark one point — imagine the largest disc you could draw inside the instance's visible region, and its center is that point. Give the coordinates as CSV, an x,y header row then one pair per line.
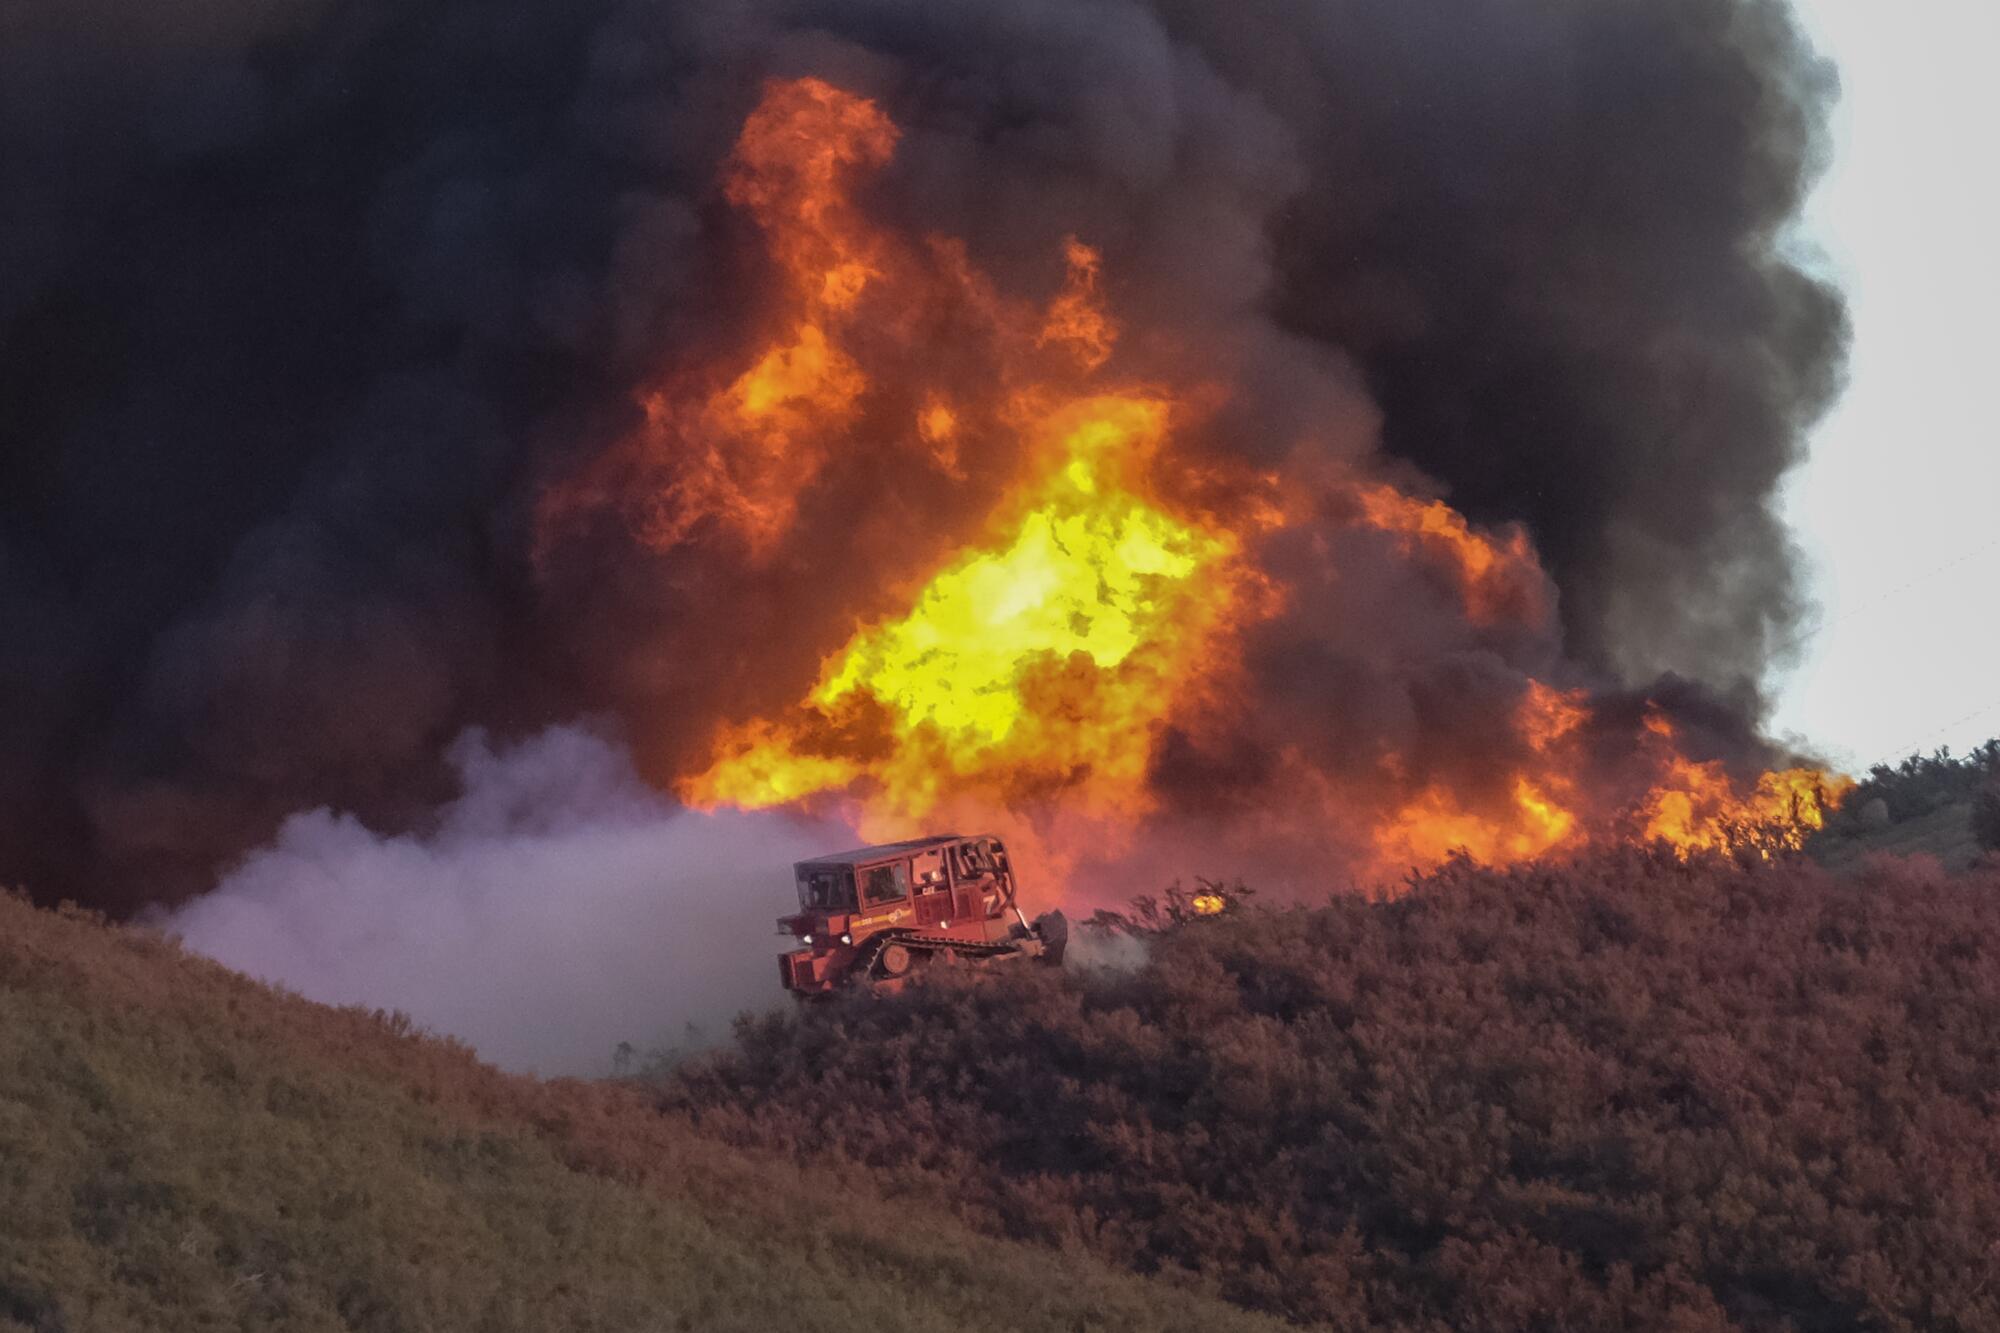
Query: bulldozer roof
x,y
889,851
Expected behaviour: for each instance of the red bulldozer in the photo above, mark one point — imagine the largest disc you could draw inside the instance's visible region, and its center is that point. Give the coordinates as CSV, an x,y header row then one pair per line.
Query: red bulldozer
x,y
877,914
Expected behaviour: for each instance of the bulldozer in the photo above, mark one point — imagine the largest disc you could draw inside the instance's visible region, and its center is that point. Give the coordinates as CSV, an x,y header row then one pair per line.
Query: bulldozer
x,y
876,915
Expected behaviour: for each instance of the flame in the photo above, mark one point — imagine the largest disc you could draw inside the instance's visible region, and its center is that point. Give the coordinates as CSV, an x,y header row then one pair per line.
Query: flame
x,y
736,457
1046,655
1698,807
793,171
1536,815
1691,806
1437,823
1045,661
1548,715
1076,318
1208,904
1038,662
1497,579
1531,821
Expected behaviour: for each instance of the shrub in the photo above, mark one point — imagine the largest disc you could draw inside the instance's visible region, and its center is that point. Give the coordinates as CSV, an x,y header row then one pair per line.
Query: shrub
x,y
1986,815
1918,785
1628,1092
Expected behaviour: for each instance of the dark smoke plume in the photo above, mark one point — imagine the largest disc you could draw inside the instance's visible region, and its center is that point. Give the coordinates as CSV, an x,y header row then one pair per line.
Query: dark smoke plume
x,y
303,306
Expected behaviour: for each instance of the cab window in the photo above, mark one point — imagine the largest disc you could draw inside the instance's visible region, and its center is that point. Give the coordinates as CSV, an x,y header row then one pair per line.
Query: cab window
x,y
826,890
927,869
885,884
973,861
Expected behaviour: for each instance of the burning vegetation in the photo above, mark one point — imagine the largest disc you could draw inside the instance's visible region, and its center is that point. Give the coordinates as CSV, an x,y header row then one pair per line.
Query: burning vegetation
x,y
1118,592
1180,438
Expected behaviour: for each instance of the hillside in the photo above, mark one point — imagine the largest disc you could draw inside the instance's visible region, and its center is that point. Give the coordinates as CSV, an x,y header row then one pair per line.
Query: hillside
x,y
1921,806
1944,832
1623,1093
181,1148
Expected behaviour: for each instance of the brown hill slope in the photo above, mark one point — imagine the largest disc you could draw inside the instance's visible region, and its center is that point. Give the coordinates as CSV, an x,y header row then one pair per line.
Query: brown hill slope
x,y
181,1148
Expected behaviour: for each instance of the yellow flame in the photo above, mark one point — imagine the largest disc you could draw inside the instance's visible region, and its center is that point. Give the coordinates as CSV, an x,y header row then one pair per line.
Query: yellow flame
x,y
1046,660
1698,807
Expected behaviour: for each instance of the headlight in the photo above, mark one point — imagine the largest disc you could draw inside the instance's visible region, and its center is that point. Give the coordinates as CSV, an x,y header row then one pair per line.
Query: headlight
x,y
806,938
846,937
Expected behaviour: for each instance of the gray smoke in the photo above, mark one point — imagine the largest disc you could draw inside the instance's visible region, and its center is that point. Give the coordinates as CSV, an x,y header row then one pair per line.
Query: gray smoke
x,y
552,910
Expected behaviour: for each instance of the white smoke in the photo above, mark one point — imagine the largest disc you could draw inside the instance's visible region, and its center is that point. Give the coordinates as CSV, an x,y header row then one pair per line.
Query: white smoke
x,y
1105,950
556,908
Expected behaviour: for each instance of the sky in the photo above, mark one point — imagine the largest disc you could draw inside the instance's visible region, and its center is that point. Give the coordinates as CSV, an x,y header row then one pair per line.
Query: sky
x,y
1896,508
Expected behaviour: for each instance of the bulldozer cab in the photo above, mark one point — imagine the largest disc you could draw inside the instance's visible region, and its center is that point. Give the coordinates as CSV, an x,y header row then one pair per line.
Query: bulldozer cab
x,y
827,888
876,912
927,883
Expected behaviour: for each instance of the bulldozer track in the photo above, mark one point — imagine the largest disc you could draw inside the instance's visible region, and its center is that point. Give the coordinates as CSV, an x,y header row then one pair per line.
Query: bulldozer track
x,y
939,944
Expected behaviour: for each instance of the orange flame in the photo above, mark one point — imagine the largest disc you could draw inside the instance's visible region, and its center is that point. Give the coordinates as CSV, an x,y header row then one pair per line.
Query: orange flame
x,y
1436,824
1698,807
1497,579
738,456
1048,654
1076,318
794,165
1548,715
1043,659
1534,818
937,426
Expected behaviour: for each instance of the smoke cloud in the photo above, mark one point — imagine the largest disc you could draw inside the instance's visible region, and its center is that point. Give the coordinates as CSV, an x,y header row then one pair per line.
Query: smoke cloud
x,y
304,307
553,909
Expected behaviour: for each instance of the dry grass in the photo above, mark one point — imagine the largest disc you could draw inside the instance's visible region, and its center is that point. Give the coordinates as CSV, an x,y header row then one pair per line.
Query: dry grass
x,y
183,1148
